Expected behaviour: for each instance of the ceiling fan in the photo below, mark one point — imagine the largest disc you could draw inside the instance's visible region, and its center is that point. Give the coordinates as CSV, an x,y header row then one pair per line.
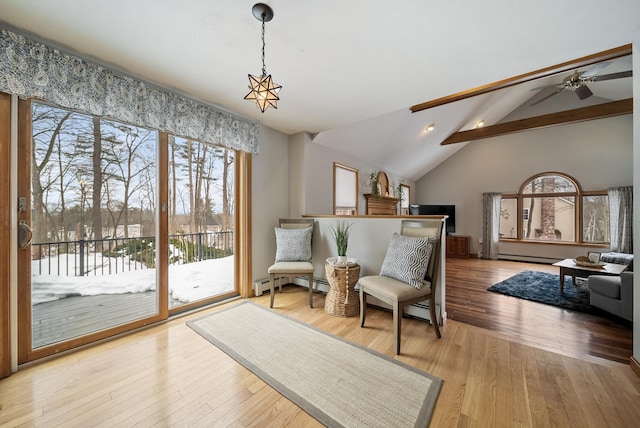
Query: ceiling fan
x,y
577,82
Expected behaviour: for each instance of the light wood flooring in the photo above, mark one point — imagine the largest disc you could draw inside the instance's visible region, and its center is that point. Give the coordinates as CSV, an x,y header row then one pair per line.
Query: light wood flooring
x,y
168,375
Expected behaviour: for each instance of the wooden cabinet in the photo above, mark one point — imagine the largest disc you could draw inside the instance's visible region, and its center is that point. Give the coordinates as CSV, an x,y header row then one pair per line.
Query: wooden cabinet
x,y
458,246
381,205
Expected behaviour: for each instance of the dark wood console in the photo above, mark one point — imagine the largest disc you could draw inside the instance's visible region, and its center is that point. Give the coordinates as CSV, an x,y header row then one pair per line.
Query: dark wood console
x,y
458,246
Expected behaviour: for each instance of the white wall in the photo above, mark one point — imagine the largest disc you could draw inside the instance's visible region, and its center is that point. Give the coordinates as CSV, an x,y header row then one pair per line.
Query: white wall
x,y
598,154
292,176
270,197
297,175
319,187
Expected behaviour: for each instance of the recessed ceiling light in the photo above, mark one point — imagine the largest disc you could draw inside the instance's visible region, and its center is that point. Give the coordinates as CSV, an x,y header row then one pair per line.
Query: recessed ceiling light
x,y
430,127
480,124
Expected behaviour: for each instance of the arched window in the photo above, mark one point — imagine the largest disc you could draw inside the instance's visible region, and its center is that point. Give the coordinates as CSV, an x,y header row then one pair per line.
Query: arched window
x,y
552,207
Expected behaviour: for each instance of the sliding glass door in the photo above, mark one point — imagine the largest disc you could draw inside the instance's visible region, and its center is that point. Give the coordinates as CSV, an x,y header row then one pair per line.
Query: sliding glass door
x,y
201,223
88,237
98,199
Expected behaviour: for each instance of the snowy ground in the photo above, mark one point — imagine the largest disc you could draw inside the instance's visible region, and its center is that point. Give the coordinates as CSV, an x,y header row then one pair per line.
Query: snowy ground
x,y
187,283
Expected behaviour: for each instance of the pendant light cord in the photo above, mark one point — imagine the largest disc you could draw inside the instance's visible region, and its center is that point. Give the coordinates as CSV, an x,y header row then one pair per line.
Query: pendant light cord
x,y
264,68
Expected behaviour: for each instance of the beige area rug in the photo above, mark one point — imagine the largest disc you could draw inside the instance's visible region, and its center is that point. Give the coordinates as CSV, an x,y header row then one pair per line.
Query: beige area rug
x,y
339,383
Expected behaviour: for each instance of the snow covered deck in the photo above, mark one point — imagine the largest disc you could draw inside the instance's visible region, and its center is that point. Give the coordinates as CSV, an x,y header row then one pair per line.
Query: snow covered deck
x,y
75,316
64,307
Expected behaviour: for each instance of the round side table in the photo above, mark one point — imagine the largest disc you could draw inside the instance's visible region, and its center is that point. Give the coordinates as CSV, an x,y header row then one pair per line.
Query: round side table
x,y
342,300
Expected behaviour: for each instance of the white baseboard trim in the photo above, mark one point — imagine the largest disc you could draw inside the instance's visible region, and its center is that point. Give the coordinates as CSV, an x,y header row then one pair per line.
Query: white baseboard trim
x,y
418,310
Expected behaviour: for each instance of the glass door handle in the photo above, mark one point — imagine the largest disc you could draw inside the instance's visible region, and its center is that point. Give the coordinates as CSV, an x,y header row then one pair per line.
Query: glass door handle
x,y
25,234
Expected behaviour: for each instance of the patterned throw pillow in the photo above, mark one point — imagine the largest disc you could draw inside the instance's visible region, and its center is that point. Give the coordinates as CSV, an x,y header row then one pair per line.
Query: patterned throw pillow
x,y
293,245
407,259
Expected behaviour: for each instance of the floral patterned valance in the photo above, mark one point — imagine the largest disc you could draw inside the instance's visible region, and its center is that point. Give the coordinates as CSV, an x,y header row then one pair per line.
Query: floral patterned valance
x,y
31,69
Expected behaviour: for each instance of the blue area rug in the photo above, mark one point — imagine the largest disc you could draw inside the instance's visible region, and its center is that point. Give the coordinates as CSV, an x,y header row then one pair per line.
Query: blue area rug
x,y
544,288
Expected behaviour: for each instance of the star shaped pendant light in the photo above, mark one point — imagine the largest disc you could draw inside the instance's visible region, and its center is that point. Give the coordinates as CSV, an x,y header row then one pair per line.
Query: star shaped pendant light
x,y
263,90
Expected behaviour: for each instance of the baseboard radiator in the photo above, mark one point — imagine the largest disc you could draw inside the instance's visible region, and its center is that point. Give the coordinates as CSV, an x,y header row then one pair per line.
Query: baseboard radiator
x,y
262,285
417,310
530,259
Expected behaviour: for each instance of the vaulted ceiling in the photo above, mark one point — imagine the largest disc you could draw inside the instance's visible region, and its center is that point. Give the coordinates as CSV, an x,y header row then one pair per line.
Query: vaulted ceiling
x,y
350,70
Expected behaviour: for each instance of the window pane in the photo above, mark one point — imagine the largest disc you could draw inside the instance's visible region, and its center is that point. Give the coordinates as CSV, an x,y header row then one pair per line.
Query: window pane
x,y
94,209
509,218
550,184
595,218
405,195
549,219
345,190
201,221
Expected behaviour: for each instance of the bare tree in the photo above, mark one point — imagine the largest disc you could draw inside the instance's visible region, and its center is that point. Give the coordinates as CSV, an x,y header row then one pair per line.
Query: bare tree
x,y
133,152
96,158
227,190
47,126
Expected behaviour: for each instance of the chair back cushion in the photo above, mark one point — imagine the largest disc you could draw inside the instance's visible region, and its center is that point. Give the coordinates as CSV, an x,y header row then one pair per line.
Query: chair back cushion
x,y
295,223
293,245
407,259
426,228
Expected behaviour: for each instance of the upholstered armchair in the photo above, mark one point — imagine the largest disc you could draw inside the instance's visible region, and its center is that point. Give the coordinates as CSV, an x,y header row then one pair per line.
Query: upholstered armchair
x,y
408,274
613,294
293,254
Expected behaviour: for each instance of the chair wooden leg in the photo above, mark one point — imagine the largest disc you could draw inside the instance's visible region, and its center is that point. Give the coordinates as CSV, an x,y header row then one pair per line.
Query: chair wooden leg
x,y
434,317
271,288
310,290
363,307
397,324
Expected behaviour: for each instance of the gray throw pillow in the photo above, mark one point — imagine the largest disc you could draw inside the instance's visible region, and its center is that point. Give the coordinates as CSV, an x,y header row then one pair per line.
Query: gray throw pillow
x,y
293,245
407,259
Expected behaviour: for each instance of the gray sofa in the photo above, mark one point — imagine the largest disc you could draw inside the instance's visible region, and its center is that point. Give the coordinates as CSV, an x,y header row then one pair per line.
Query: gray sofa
x,y
613,294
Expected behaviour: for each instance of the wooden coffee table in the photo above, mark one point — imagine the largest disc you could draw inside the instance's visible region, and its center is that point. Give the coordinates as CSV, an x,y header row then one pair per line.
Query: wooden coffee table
x,y
569,267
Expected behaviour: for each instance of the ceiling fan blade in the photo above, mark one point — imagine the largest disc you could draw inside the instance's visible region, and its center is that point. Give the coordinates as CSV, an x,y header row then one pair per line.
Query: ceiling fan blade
x,y
619,75
594,70
583,92
537,88
557,91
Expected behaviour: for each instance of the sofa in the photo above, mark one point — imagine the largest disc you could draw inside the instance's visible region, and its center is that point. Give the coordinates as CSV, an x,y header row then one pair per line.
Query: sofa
x,y
613,294
618,258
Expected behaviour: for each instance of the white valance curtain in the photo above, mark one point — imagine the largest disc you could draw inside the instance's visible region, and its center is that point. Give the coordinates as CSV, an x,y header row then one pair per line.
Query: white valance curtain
x,y
491,202
621,219
31,69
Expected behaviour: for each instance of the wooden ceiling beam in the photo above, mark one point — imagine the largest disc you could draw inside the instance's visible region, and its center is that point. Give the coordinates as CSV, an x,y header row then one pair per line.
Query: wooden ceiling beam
x,y
599,111
544,72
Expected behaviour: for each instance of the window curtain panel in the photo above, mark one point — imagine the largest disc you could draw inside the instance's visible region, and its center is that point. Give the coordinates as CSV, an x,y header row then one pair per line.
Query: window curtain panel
x,y
491,202
31,69
621,219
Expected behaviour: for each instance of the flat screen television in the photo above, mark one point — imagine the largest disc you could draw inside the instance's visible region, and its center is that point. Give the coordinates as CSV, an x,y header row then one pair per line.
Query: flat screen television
x,y
448,210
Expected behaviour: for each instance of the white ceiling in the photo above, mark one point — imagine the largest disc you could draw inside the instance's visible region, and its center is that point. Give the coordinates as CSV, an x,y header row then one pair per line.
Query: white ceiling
x,y
350,70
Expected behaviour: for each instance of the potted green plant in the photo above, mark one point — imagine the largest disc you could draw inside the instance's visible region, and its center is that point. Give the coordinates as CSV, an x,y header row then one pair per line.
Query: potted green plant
x,y
373,181
341,235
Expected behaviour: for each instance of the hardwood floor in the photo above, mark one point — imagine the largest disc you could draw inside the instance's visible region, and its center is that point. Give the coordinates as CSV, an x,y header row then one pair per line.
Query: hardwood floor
x,y
548,327
168,375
